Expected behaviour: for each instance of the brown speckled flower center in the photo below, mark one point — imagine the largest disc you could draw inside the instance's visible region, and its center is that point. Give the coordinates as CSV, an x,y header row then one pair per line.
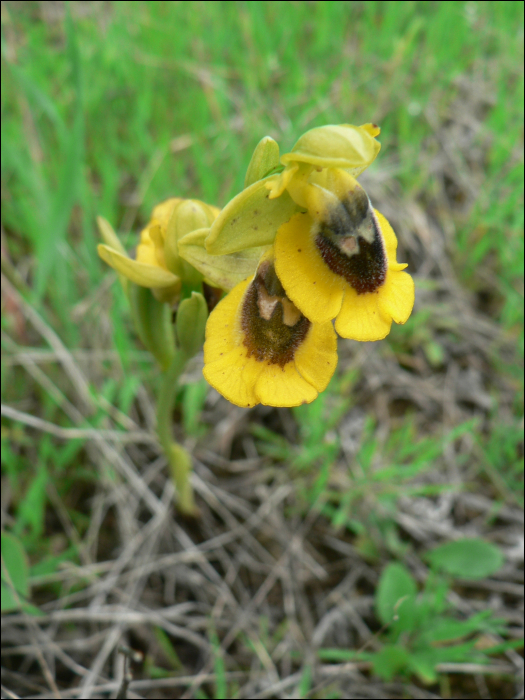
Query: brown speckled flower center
x,y
350,243
273,327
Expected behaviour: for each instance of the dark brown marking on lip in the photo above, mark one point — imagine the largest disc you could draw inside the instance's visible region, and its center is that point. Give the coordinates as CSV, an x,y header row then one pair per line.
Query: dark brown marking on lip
x,y
350,243
273,328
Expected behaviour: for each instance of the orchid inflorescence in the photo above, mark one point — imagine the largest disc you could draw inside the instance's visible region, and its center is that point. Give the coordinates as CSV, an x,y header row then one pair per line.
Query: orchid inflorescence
x,y
300,246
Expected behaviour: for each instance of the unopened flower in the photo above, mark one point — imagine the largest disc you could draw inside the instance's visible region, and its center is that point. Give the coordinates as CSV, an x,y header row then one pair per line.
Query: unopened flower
x,y
157,264
261,349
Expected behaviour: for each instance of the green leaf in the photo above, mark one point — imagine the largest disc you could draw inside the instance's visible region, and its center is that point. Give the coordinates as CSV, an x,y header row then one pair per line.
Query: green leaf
x,y
446,629
390,661
423,664
15,573
305,683
468,558
221,687
396,588
31,511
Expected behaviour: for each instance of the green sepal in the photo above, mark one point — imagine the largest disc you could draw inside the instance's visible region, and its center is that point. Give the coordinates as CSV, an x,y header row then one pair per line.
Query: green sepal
x,y
152,319
250,220
265,158
191,323
186,217
143,274
223,271
352,148
109,236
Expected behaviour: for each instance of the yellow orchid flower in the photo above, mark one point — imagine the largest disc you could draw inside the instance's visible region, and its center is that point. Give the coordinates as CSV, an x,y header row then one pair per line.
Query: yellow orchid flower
x,y
338,259
157,264
260,349
334,254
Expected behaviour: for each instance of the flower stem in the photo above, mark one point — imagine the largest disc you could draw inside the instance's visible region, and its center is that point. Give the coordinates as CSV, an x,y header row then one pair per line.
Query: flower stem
x,y
178,458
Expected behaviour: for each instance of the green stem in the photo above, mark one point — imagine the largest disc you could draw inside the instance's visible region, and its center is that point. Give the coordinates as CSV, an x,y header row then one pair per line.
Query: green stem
x,y
179,460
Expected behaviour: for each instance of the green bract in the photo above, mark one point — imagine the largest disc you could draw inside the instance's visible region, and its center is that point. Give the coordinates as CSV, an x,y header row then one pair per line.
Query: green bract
x,y
191,322
223,271
265,158
249,220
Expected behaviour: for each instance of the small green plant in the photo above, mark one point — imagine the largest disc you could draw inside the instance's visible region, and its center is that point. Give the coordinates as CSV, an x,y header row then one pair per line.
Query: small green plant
x,y
420,630
15,573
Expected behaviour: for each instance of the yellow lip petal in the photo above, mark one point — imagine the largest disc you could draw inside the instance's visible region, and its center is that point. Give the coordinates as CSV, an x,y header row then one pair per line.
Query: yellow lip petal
x,y
283,386
249,220
309,283
396,296
360,317
223,326
245,380
316,358
141,273
234,376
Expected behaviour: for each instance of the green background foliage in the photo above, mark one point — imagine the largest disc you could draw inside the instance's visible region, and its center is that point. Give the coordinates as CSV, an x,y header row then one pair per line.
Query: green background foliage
x,y
109,108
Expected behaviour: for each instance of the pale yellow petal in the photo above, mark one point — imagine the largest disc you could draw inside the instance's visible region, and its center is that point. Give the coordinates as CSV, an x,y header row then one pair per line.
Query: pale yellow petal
x,y
360,317
109,236
146,254
214,212
141,273
316,357
308,281
396,296
162,212
371,129
277,184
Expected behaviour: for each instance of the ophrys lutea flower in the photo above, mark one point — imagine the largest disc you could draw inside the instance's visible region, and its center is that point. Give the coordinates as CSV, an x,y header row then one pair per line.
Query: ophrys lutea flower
x,y
338,259
261,349
334,254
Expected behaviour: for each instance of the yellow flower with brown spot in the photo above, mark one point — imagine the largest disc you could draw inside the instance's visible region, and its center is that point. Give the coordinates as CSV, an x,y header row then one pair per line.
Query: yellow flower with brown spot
x,y
338,259
334,254
260,349
157,263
